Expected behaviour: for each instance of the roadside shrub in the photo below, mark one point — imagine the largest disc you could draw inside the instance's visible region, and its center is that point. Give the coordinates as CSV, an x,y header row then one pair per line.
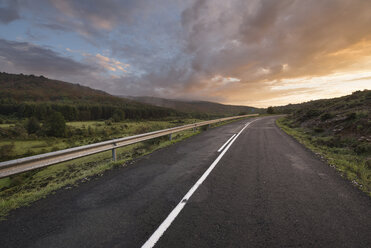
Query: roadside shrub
x,y
55,125
119,115
32,125
351,116
326,116
108,122
141,129
330,141
359,127
318,130
29,152
4,133
362,114
311,113
16,180
90,131
363,148
32,136
18,131
270,110
156,141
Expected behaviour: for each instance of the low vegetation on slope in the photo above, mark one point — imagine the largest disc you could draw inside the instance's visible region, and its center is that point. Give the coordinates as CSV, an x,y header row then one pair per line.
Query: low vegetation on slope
x,y
340,130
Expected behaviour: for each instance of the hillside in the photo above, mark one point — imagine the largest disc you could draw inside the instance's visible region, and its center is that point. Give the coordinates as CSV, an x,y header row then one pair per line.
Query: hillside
x,y
198,106
347,116
339,130
31,88
23,96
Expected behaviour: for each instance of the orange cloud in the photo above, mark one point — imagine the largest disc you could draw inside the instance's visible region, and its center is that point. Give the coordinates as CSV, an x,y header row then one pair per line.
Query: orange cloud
x,y
111,64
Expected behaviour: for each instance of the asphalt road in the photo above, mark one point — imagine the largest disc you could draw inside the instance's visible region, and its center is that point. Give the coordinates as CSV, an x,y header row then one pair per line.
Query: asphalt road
x,y
266,191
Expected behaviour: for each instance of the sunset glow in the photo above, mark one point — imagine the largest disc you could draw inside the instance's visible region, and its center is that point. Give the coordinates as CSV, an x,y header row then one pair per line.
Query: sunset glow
x,y
257,52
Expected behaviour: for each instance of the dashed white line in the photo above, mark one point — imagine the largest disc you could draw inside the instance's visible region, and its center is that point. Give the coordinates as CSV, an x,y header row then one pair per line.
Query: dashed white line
x,y
171,217
222,147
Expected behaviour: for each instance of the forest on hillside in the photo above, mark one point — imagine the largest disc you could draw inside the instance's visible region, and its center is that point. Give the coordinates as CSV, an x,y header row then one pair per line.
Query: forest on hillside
x,y
25,96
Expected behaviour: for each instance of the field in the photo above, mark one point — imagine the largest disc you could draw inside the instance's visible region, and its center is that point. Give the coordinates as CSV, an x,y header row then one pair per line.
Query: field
x,y
83,133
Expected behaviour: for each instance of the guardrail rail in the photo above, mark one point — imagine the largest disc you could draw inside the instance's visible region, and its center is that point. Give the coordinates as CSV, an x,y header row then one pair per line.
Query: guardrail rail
x,y
17,166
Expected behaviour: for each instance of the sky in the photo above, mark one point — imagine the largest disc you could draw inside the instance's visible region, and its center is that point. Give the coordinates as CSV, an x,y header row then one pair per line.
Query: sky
x,y
243,52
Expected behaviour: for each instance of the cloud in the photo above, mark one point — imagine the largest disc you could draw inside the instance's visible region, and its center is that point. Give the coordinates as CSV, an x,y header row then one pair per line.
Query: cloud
x,y
224,80
29,58
9,11
259,41
93,70
271,34
233,51
110,64
90,20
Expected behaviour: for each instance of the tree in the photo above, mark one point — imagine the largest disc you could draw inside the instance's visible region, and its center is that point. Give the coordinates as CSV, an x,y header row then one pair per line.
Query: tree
x,y
55,125
118,115
270,110
32,125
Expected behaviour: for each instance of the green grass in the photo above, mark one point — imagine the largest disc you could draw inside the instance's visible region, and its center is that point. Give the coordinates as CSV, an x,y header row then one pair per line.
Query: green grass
x,y
23,189
31,147
5,125
353,166
87,133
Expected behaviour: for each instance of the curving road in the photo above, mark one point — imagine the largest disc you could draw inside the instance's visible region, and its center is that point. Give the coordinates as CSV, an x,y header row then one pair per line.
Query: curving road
x,y
263,189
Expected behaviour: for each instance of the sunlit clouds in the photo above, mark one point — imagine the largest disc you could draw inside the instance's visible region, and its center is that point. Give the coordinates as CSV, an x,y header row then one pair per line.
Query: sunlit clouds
x,y
250,52
110,63
224,80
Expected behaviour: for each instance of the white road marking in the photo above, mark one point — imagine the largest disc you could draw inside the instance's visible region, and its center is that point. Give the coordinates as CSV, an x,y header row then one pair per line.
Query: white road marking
x,y
171,217
221,148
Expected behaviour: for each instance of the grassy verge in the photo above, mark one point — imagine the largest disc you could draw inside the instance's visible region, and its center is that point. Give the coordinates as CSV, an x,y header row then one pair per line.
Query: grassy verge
x,y
82,133
23,189
355,167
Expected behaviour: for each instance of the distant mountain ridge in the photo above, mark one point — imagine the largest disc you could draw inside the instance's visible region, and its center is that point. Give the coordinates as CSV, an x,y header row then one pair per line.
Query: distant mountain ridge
x,y
196,106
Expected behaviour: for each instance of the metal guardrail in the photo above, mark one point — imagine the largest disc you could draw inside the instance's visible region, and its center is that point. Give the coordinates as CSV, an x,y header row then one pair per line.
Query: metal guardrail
x,y
17,166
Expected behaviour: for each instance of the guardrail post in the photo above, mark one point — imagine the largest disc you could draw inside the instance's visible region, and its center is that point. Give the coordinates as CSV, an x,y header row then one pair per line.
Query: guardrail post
x,y
194,129
114,155
170,137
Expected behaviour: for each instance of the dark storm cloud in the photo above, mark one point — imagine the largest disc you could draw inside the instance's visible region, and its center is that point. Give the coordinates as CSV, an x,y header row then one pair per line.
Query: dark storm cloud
x,y
8,11
28,58
93,19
